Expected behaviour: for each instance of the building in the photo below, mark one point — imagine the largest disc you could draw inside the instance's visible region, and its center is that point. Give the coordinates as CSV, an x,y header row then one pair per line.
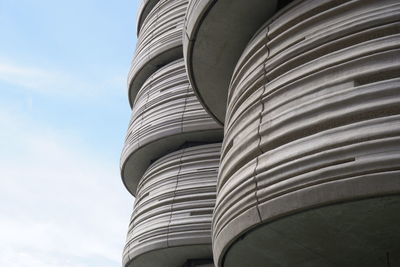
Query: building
x,y
304,96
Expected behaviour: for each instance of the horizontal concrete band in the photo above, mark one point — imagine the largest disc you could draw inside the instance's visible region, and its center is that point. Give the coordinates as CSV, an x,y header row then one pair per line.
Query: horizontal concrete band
x,y
159,42
353,233
313,116
166,114
216,32
143,11
171,222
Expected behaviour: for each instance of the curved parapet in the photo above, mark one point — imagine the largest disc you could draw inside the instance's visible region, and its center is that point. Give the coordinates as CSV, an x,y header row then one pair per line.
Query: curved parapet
x,y
143,11
313,119
159,42
216,32
166,115
171,222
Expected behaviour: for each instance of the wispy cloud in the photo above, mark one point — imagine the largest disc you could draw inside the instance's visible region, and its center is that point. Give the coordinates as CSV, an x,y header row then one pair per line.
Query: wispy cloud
x,y
59,82
61,203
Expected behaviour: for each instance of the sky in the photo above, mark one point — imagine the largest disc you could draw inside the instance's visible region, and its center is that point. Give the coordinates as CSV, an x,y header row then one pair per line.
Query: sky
x,y
63,118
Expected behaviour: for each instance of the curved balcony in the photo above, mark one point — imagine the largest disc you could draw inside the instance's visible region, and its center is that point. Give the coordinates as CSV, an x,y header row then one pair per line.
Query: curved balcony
x,y
166,114
216,34
143,11
159,42
171,222
311,153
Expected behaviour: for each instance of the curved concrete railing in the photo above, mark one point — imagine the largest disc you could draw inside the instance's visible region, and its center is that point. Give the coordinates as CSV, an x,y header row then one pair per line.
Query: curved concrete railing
x,y
217,31
159,42
313,119
143,11
166,114
171,222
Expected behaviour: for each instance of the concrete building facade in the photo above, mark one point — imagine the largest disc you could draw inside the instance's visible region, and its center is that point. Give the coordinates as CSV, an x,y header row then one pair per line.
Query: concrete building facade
x,y
305,97
172,149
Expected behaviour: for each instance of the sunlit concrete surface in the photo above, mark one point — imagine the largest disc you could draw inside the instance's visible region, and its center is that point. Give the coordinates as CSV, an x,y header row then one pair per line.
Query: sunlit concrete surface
x,y
143,11
171,222
216,32
313,118
309,172
159,42
166,114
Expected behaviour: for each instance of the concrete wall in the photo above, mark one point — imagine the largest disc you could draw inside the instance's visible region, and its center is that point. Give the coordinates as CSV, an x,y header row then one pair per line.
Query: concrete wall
x,y
308,93
143,11
313,119
171,155
216,32
171,222
165,115
159,42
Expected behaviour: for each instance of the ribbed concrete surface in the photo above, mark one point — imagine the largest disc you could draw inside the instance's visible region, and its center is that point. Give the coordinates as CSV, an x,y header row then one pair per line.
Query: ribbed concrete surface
x,y
216,32
357,233
159,42
166,114
144,9
171,222
313,116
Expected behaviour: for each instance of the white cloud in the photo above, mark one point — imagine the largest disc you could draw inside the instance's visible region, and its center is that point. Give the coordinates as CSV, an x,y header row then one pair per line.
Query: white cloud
x,y
61,204
58,82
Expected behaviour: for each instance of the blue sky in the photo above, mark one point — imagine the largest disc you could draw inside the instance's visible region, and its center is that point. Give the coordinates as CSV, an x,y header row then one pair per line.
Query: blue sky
x,y
63,117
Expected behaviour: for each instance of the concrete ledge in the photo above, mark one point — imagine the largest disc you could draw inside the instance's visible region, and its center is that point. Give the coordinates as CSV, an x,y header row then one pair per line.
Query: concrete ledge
x,y
159,42
171,221
169,257
356,233
216,32
143,11
166,115
313,119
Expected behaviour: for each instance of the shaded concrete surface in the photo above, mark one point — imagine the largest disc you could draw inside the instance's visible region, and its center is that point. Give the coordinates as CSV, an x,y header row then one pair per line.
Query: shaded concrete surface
x,y
171,221
360,233
159,42
199,263
313,115
308,92
166,114
216,34
143,11
170,257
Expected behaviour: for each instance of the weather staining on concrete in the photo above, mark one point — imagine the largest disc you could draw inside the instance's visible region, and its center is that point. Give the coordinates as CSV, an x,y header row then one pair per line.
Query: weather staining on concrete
x,y
309,169
166,115
171,222
313,119
159,42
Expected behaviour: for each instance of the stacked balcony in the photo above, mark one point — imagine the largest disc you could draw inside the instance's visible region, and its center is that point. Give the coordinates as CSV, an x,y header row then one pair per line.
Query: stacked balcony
x,y
308,173
175,199
310,164
166,114
171,154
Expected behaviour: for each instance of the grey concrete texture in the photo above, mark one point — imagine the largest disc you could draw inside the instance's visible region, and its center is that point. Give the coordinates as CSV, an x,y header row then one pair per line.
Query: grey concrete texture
x,y
171,222
166,114
216,32
199,263
144,9
313,118
360,233
159,42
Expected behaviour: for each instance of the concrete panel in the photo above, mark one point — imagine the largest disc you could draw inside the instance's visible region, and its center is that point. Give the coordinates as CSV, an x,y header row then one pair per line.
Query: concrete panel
x,y
166,114
199,263
171,222
143,11
360,233
159,42
313,119
217,31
